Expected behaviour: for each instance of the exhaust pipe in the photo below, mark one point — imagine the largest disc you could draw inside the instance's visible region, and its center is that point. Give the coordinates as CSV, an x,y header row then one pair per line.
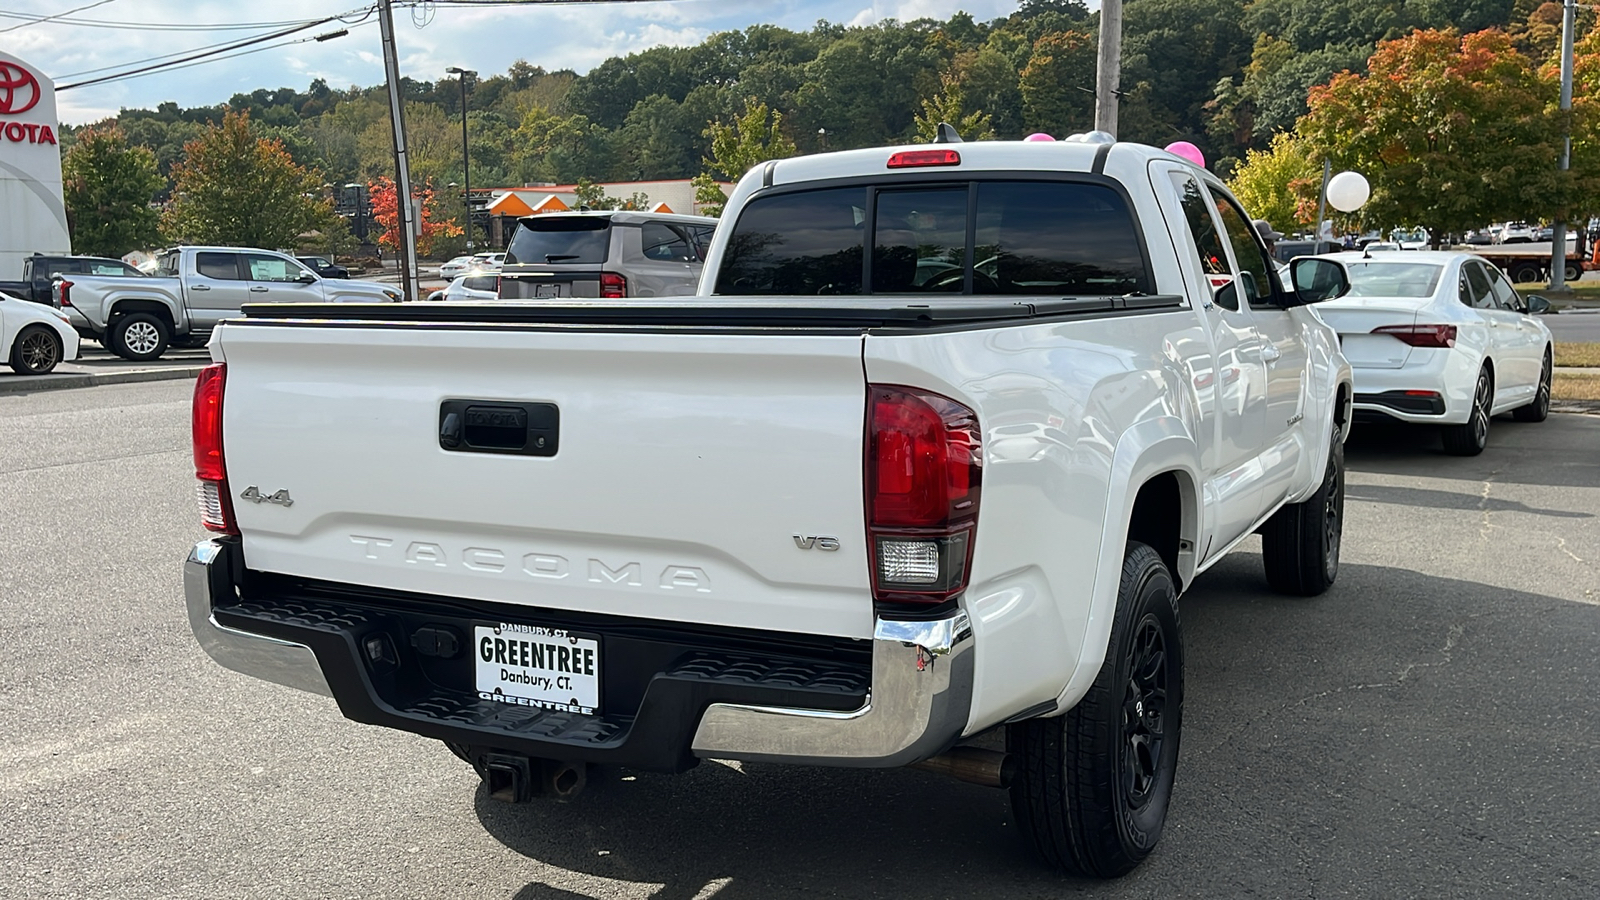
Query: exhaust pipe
x,y
990,768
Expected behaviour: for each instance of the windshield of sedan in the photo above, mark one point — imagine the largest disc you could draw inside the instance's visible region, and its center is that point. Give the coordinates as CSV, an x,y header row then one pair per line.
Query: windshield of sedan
x,y
1393,279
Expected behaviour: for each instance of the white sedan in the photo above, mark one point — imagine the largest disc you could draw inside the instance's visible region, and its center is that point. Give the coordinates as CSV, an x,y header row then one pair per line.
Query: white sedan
x,y
1440,338
457,266
470,287
34,338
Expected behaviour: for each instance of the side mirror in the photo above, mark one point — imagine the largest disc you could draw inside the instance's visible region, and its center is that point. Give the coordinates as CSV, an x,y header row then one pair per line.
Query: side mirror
x,y
1537,305
1316,280
307,278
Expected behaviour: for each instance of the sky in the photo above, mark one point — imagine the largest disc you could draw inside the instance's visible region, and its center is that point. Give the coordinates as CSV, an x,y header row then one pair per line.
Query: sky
x,y
430,37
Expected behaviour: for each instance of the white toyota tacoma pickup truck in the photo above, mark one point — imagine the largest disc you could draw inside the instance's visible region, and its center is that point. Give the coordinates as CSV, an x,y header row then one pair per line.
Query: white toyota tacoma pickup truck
x,y
925,466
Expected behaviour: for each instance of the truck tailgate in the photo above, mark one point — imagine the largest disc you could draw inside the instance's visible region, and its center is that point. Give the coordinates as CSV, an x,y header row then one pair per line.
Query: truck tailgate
x,y
684,465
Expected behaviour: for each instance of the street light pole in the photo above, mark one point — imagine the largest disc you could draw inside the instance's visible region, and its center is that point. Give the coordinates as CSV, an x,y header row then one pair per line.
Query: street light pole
x,y
466,156
410,290
1558,234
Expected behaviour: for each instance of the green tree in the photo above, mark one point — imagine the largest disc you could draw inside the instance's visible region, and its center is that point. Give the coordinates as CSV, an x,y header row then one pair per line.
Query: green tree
x,y
708,195
748,141
238,189
1057,85
1451,132
108,186
1279,184
946,106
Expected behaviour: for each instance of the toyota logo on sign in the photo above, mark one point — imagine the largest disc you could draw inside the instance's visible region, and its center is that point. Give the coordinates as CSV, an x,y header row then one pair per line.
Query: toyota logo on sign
x,y
19,90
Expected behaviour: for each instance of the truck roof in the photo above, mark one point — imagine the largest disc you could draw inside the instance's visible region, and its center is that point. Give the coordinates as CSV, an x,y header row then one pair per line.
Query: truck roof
x,y
1020,156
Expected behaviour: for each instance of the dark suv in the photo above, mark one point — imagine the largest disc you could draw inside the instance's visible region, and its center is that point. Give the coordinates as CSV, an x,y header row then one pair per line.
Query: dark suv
x,y
607,255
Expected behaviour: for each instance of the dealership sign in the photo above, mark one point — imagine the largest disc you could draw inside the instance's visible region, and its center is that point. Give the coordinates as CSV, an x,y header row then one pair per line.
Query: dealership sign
x,y
32,217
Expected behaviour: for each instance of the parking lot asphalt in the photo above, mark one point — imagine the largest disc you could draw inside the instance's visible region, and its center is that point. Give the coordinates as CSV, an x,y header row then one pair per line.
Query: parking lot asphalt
x,y
1426,729
97,366
1574,327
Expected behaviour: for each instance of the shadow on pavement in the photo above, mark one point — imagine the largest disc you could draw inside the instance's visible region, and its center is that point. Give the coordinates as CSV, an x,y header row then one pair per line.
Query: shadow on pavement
x,y
1401,736
1558,452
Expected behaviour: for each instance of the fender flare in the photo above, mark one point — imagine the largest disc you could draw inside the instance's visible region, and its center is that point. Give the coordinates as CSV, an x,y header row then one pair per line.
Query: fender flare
x,y
1150,448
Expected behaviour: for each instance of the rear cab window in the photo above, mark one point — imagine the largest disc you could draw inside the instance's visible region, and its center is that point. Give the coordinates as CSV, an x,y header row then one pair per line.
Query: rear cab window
x,y
554,240
987,237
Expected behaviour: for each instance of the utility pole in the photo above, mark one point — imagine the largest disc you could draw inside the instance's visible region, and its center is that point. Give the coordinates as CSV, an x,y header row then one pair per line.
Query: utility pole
x,y
1108,67
466,156
1558,234
402,183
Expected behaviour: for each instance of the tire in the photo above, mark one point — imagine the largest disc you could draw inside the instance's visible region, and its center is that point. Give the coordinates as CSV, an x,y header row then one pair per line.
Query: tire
x,y
1526,273
1300,543
140,337
1571,272
1470,437
1539,409
1092,788
36,351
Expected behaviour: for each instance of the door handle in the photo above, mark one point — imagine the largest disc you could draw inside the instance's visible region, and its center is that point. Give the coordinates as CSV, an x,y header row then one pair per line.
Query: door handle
x,y
258,289
201,287
1271,353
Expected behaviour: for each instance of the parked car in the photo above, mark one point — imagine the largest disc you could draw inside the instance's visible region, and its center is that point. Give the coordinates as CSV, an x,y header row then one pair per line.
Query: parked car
x,y
1515,233
488,262
323,266
1441,338
34,339
1288,249
456,267
193,290
39,270
1411,238
1381,247
470,287
606,254
929,460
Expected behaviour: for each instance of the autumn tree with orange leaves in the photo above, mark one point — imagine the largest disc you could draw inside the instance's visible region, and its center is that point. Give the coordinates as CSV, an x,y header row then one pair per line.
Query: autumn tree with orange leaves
x,y
1452,132
386,212
235,188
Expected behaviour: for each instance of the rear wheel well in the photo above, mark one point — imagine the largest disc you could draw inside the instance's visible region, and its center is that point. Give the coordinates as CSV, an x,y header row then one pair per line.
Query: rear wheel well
x,y
153,307
1157,520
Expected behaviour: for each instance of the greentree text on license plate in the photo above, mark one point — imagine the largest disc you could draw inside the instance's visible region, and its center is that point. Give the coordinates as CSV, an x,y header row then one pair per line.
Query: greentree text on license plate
x,y
528,665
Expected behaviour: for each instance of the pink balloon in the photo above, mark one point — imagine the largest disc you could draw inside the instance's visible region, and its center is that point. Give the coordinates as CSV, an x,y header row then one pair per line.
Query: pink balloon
x,y
1187,151
1038,136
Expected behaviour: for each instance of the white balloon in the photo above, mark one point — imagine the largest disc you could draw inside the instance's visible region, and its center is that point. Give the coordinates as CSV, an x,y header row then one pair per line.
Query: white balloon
x,y
1348,190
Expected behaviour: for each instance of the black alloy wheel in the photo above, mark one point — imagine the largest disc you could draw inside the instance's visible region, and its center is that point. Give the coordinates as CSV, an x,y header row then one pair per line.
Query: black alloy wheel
x,y
1470,437
37,351
1144,710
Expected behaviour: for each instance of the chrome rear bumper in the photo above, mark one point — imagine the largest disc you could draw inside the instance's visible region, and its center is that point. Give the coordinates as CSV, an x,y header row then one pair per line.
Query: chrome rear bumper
x,y
917,706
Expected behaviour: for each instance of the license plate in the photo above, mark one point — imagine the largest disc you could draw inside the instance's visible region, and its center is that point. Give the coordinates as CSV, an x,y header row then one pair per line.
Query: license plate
x,y
527,665
546,290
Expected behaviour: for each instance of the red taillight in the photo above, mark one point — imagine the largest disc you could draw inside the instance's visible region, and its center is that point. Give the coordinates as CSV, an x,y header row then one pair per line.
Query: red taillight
x,y
911,159
924,476
66,293
216,507
613,286
1442,336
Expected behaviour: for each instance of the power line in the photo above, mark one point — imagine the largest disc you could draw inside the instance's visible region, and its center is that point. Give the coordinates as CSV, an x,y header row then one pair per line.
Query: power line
x,y
236,45
57,15
29,19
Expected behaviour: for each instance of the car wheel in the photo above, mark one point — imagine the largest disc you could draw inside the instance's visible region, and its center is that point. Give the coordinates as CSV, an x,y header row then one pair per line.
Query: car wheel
x,y
140,337
36,351
1300,543
1526,274
1539,409
1470,437
1571,272
1092,789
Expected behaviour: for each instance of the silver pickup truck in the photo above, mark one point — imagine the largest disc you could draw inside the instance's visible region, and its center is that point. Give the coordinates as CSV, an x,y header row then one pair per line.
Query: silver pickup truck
x,y
193,289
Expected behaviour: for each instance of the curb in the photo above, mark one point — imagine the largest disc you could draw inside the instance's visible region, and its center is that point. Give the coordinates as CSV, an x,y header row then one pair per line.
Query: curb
x,y
23,384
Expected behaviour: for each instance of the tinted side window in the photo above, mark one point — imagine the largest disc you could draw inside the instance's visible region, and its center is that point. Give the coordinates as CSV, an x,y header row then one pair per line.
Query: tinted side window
x,y
919,241
800,243
224,266
1252,257
1504,296
1055,238
1475,291
1202,227
664,243
490,283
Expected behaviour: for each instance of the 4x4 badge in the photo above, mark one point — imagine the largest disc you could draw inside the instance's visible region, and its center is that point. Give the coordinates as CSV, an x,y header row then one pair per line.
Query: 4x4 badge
x,y
254,495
